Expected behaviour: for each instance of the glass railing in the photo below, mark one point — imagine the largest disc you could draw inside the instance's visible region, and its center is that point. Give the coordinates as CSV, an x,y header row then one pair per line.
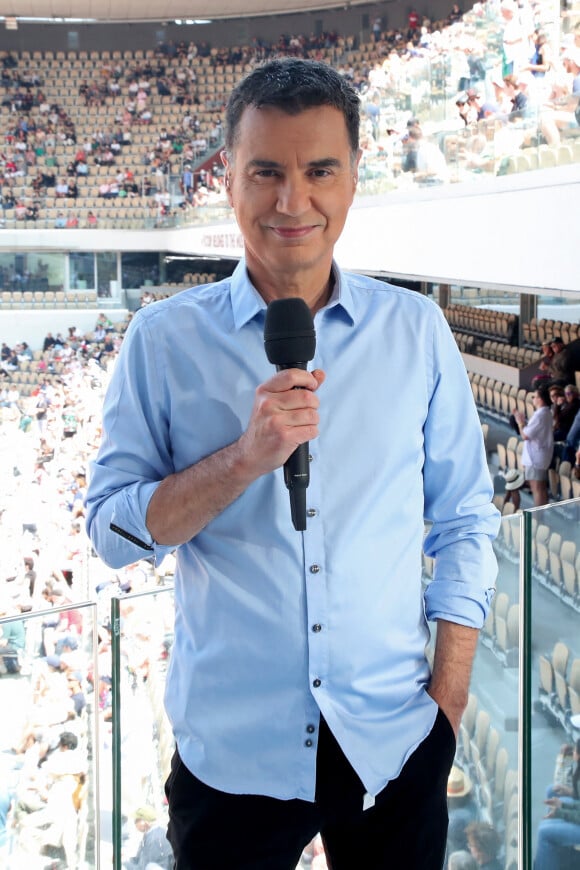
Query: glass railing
x,y
484,785
552,644
55,715
101,679
142,738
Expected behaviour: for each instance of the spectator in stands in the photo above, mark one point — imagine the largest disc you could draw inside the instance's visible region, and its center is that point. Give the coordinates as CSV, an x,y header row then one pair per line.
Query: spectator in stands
x,y
462,808
567,773
49,342
573,439
514,480
12,640
514,41
60,220
561,112
462,860
154,852
291,175
92,220
538,450
563,362
484,844
429,160
541,61
61,188
565,406
559,832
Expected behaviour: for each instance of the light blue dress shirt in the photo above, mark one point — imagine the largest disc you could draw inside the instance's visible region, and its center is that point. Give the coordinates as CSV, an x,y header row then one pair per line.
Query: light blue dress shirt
x,y
274,626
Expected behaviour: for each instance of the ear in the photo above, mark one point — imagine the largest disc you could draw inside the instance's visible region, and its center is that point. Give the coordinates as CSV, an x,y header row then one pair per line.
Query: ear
x,y
355,169
228,177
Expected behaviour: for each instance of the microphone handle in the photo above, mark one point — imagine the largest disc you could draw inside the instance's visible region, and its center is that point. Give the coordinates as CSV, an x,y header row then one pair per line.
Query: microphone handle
x,y
297,471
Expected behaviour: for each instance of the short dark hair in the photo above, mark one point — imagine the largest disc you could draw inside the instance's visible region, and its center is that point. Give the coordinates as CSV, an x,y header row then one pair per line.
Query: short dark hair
x,y
68,739
544,394
293,85
485,837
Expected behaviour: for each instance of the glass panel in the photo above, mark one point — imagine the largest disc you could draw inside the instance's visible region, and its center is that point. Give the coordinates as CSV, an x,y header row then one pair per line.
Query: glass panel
x,y
143,740
32,271
48,746
483,786
139,269
554,588
82,271
106,273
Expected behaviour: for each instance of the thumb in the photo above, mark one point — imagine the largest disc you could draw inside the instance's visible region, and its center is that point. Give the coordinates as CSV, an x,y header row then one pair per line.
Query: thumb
x,y
319,375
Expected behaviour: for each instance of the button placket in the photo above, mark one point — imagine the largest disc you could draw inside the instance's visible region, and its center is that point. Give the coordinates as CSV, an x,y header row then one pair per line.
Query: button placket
x,y
314,556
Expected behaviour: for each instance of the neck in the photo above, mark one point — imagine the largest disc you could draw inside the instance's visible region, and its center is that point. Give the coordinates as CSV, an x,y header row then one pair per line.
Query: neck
x,y
315,292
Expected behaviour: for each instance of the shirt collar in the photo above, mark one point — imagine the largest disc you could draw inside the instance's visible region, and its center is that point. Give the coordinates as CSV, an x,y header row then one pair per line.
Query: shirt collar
x,y
248,304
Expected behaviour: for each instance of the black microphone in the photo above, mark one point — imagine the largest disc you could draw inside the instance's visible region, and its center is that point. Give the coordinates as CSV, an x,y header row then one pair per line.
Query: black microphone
x,y
290,342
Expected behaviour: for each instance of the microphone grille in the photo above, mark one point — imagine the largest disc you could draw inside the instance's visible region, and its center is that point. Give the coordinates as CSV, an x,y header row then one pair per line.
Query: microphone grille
x,y
289,335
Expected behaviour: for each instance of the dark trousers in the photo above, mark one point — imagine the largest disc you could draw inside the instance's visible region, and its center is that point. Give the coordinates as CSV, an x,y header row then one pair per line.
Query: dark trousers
x,y
406,828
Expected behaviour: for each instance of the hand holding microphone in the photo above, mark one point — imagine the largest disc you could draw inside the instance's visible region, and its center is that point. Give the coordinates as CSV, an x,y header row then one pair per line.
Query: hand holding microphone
x,y
290,342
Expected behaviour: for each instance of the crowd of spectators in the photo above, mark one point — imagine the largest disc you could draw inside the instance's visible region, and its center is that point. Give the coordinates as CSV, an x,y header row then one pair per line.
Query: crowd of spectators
x,y
514,89
45,746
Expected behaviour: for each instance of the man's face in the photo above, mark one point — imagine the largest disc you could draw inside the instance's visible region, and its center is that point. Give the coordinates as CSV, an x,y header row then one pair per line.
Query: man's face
x,y
291,183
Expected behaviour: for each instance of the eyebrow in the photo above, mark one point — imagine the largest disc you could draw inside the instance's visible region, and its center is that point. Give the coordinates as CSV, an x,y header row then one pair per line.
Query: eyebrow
x,y
323,163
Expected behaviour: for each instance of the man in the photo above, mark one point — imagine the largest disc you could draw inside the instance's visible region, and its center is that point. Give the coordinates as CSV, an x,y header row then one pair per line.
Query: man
x,y
12,640
154,852
565,406
484,845
299,691
564,361
561,112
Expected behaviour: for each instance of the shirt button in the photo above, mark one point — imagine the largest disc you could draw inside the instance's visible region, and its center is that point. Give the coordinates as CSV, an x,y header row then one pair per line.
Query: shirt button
x,y
310,457
311,512
316,627
310,729
308,743
315,569
316,683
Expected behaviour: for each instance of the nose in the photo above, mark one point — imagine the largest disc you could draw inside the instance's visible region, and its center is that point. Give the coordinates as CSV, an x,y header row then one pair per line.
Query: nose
x,y
293,195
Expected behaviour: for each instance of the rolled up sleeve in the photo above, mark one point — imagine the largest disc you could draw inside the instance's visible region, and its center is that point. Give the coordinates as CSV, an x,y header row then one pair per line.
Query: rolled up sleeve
x,y
458,494
134,456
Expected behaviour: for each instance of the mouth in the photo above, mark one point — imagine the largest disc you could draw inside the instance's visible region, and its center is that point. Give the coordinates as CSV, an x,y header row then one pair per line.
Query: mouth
x,y
293,233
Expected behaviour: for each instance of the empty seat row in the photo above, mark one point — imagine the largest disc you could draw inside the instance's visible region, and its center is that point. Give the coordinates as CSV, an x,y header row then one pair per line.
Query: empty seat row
x,y
499,351
502,626
482,321
559,685
499,398
556,564
539,331
544,157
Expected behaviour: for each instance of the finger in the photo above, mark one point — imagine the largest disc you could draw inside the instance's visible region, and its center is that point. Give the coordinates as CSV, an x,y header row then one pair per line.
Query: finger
x,y
289,400
290,379
301,417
